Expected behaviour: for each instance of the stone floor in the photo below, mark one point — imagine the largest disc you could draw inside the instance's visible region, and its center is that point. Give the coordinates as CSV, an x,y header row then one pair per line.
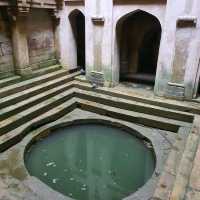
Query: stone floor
x,y
47,99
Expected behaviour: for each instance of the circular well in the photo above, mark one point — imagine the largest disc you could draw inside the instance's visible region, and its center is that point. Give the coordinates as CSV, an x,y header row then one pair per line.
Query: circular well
x,y
91,161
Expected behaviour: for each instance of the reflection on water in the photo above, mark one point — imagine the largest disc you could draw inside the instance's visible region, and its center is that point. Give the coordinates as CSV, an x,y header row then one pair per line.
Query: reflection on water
x,y
91,162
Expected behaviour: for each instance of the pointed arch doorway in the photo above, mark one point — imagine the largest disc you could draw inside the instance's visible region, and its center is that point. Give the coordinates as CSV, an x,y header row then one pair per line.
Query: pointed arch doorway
x,y
138,38
77,21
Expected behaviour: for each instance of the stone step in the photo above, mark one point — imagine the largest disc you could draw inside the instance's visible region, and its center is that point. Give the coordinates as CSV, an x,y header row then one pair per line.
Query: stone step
x,y
167,177
134,117
39,72
32,101
81,78
44,64
133,105
31,83
46,70
33,91
193,188
14,129
13,122
92,96
134,97
22,117
187,162
9,80
18,133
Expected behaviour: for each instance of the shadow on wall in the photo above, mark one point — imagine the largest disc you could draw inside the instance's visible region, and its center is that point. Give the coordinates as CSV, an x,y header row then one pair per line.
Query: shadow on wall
x,y
138,37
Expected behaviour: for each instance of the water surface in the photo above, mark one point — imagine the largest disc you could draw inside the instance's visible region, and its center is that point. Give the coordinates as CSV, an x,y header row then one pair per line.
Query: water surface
x,y
91,162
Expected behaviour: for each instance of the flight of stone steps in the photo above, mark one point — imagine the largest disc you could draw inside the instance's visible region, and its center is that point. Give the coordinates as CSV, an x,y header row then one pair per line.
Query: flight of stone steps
x,y
31,103
26,105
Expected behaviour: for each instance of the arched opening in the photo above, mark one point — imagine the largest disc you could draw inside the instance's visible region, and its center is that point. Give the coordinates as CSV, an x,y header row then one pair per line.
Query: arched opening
x,y
77,20
138,37
198,89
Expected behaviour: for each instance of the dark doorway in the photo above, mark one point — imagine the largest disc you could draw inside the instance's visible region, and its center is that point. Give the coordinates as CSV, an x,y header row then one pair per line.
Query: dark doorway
x,y
138,35
77,20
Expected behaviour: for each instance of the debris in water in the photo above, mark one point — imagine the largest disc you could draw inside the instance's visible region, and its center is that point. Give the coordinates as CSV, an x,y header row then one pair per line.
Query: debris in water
x,y
54,180
45,174
50,164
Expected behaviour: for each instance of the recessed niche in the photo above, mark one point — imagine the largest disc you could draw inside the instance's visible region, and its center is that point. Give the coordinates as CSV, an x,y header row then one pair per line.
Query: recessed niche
x,y
98,20
186,21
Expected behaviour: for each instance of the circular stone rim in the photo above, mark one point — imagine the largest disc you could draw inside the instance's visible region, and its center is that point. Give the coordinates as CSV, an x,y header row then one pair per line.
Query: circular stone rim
x,y
48,129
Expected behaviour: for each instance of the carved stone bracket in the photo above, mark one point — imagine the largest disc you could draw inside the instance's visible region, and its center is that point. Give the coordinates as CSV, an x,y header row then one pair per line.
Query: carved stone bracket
x,y
18,8
59,4
74,2
23,7
98,20
187,21
55,17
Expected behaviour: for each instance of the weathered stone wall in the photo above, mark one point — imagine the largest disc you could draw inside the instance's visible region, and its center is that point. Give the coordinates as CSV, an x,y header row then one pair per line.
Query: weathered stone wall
x,y
99,40
178,64
6,55
178,71
68,43
40,37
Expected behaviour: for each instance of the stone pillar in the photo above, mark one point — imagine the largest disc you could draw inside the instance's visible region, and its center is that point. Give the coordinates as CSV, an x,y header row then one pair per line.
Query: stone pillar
x,y
183,37
56,28
98,41
20,46
177,37
192,72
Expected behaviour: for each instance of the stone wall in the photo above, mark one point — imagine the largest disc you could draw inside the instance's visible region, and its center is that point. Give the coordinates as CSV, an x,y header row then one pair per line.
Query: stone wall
x,y
178,68
178,64
40,37
68,48
6,55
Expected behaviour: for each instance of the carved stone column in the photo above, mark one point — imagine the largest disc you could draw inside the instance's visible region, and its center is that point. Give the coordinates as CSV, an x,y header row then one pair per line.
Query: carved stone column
x,y
99,41
20,46
18,16
56,27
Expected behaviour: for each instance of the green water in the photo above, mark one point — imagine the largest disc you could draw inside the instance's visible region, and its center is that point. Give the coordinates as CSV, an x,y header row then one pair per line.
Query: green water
x,y
91,162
